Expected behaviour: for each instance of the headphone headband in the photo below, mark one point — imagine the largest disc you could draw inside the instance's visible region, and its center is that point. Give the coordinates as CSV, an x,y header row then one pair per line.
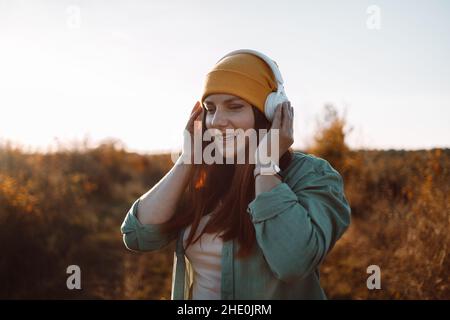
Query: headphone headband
x,y
269,62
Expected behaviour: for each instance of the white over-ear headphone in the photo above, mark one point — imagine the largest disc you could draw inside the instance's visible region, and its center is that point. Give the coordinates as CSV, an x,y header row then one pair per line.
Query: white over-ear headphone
x,y
274,98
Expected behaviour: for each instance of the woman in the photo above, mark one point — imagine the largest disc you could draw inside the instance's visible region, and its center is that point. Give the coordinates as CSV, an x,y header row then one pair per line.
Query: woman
x,y
252,230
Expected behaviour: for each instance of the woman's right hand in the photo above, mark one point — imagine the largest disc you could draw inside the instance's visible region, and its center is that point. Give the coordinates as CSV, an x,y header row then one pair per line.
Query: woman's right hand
x,y
187,154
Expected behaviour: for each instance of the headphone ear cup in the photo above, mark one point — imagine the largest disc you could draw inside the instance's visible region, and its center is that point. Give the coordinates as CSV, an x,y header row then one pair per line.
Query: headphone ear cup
x,y
272,101
269,108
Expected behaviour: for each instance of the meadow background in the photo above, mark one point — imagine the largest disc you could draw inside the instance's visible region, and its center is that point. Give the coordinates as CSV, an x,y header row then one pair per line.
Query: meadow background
x,y
65,207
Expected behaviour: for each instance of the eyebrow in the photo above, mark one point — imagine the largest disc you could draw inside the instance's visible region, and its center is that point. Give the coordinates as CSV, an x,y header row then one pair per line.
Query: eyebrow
x,y
226,101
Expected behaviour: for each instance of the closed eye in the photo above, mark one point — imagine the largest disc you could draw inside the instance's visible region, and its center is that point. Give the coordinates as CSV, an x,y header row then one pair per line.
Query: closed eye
x,y
211,109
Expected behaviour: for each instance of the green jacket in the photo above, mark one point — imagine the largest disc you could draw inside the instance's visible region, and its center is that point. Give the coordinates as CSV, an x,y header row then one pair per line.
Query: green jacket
x,y
296,224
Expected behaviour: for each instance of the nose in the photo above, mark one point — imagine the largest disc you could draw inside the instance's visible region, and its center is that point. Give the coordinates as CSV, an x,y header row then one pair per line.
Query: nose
x,y
219,120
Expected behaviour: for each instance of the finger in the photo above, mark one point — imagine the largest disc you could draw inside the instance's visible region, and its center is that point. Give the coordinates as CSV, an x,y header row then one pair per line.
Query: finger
x,y
286,116
291,123
291,111
291,127
287,126
196,112
197,107
199,113
276,123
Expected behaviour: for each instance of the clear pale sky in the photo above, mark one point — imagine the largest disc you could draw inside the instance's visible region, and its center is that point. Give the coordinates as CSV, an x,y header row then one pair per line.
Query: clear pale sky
x,y
132,70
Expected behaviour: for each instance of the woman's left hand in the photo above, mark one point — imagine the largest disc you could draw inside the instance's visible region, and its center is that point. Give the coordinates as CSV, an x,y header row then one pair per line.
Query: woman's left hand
x,y
283,122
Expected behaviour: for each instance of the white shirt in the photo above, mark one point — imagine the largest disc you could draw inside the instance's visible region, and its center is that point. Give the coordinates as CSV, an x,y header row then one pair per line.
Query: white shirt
x,y
205,256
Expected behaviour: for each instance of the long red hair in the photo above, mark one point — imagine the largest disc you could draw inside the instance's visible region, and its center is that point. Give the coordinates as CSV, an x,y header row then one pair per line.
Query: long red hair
x,y
231,184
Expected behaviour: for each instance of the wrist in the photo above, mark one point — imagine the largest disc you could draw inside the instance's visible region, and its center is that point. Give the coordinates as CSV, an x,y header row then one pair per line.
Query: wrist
x,y
184,160
269,169
264,177
265,161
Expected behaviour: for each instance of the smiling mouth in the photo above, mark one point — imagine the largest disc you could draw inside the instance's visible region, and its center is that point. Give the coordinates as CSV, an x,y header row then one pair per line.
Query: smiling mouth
x,y
225,137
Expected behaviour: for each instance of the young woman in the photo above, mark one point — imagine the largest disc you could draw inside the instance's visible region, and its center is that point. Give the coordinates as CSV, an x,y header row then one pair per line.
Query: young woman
x,y
249,230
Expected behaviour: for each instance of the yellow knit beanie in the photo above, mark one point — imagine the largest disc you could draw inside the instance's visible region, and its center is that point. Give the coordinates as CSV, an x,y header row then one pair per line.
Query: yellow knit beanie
x,y
244,75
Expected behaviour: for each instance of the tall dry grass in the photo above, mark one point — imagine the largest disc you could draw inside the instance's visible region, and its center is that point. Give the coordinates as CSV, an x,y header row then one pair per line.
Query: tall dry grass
x,y
401,219
66,207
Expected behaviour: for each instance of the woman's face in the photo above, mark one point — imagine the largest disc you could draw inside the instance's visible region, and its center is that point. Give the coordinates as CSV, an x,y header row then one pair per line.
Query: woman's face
x,y
226,111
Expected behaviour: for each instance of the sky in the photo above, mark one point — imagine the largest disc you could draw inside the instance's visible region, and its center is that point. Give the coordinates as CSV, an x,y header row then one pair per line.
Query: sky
x,y
132,70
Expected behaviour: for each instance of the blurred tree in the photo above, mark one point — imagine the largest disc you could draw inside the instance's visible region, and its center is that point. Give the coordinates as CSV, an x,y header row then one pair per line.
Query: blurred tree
x,y
329,140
